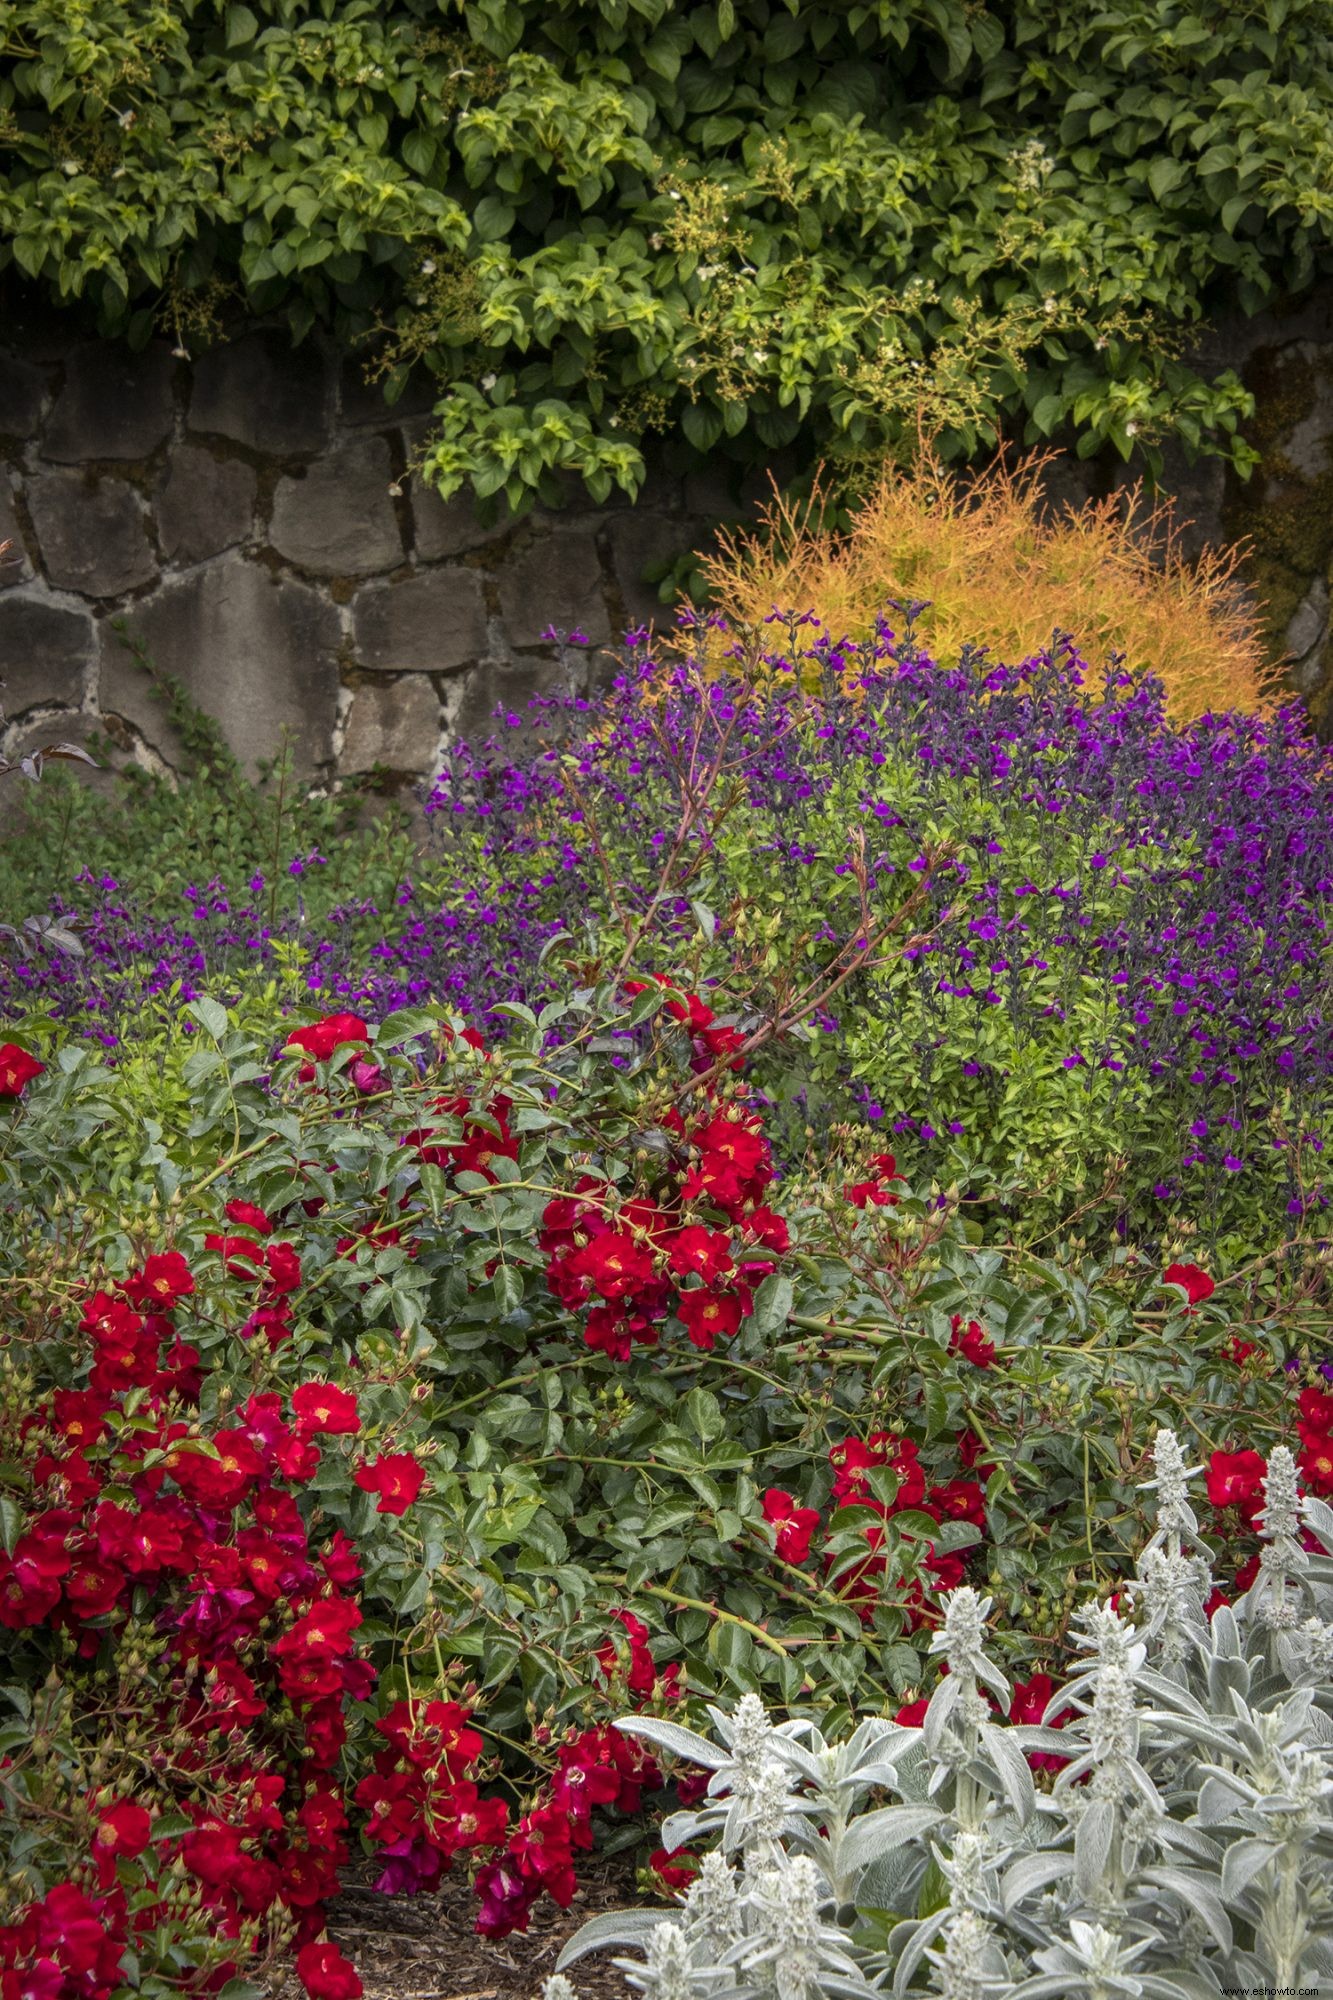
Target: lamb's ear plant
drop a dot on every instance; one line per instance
(1183, 1848)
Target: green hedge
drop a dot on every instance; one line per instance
(754, 225)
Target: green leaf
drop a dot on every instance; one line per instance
(1164, 176)
(11, 1522)
(669, 1516)
(773, 1303)
(211, 1016)
(733, 1650)
(242, 25)
(419, 150)
(492, 219)
(702, 425)
(703, 1413)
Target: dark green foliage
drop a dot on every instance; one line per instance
(749, 226)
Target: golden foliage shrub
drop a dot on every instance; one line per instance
(1003, 568)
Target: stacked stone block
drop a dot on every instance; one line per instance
(251, 521)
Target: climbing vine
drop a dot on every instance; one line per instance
(747, 224)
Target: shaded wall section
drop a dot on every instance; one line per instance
(252, 520)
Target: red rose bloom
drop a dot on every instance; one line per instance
(81, 1415)
(319, 1406)
(17, 1068)
(26, 1595)
(124, 1828)
(959, 1500)
(971, 1342)
(237, 1253)
(1236, 1479)
(397, 1478)
(162, 1281)
(705, 1315)
(613, 1264)
(1196, 1284)
(246, 1216)
(323, 1633)
(763, 1226)
(217, 1482)
(326, 1974)
(284, 1268)
(794, 1524)
(321, 1038)
(675, 1867)
(1316, 1465)
(701, 1253)
(1316, 1408)
(92, 1587)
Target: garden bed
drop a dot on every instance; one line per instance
(425, 1947)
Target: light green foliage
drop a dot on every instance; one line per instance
(754, 225)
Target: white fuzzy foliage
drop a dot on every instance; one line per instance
(1185, 1848)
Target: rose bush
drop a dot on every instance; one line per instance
(383, 1409)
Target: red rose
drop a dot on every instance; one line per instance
(17, 1068)
(326, 1974)
(765, 1227)
(397, 1478)
(1196, 1284)
(92, 1587)
(319, 1406)
(959, 1500)
(701, 1253)
(73, 1930)
(675, 1867)
(862, 1194)
(124, 1828)
(236, 1253)
(321, 1038)
(26, 1595)
(1027, 1705)
(613, 1264)
(875, 1191)
(162, 1281)
(1316, 1408)
(794, 1524)
(217, 1482)
(971, 1342)
(81, 1415)
(284, 1268)
(212, 1852)
(705, 1315)
(246, 1216)
(1236, 1479)
(339, 1561)
(1316, 1465)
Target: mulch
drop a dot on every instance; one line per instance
(424, 1947)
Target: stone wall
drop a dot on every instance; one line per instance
(251, 519)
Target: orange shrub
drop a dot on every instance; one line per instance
(1003, 567)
